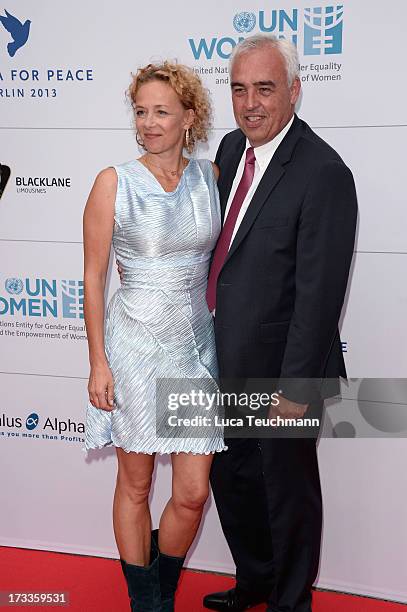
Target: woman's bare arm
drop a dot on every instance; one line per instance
(98, 220)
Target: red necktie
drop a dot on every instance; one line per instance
(222, 246)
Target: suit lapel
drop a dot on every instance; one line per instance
(271, 177)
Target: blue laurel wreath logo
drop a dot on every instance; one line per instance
(244, 22)
(14, 286)
(32, 421)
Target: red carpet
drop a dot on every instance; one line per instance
(97, 584)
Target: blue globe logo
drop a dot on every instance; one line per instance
(32, 421)
(14, 285)
(244, 22)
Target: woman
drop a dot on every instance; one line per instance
(162, 213)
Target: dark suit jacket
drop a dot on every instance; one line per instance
(282, 287)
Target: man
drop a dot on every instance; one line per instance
(277, 282)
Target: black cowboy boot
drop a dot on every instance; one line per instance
(143, 583)
(169, 571)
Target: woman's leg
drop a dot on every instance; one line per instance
(180, 519)
(132, 527)
(131, 513)
(182, 514)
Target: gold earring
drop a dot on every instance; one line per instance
(187, 138)
(139, 141)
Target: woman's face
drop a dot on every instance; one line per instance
(161, 119)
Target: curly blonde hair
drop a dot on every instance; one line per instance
(190, 90)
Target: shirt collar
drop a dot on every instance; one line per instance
(265, 152)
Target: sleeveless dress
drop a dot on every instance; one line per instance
(157, 324)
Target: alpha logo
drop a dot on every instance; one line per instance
(32, 421)
(4, 177)
(19, 32)
(51, 427)
(244, 22)
(323, 30)
(39, 297)
(64, 426)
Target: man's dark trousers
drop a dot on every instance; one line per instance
(268, 496)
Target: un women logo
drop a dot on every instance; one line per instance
(14, 286)
(244, 22)
(323, 30)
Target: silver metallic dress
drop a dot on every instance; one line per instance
(157, 323)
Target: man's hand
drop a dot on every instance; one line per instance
(120, 270)
(287, 409)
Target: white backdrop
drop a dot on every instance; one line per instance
(63, 116)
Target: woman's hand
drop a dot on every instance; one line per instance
(100, 387)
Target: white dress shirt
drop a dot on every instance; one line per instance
(263, 154)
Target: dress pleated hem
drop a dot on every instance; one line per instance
(171, 450)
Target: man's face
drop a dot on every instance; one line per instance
(263, 103)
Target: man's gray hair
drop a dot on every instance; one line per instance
(259, 41)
